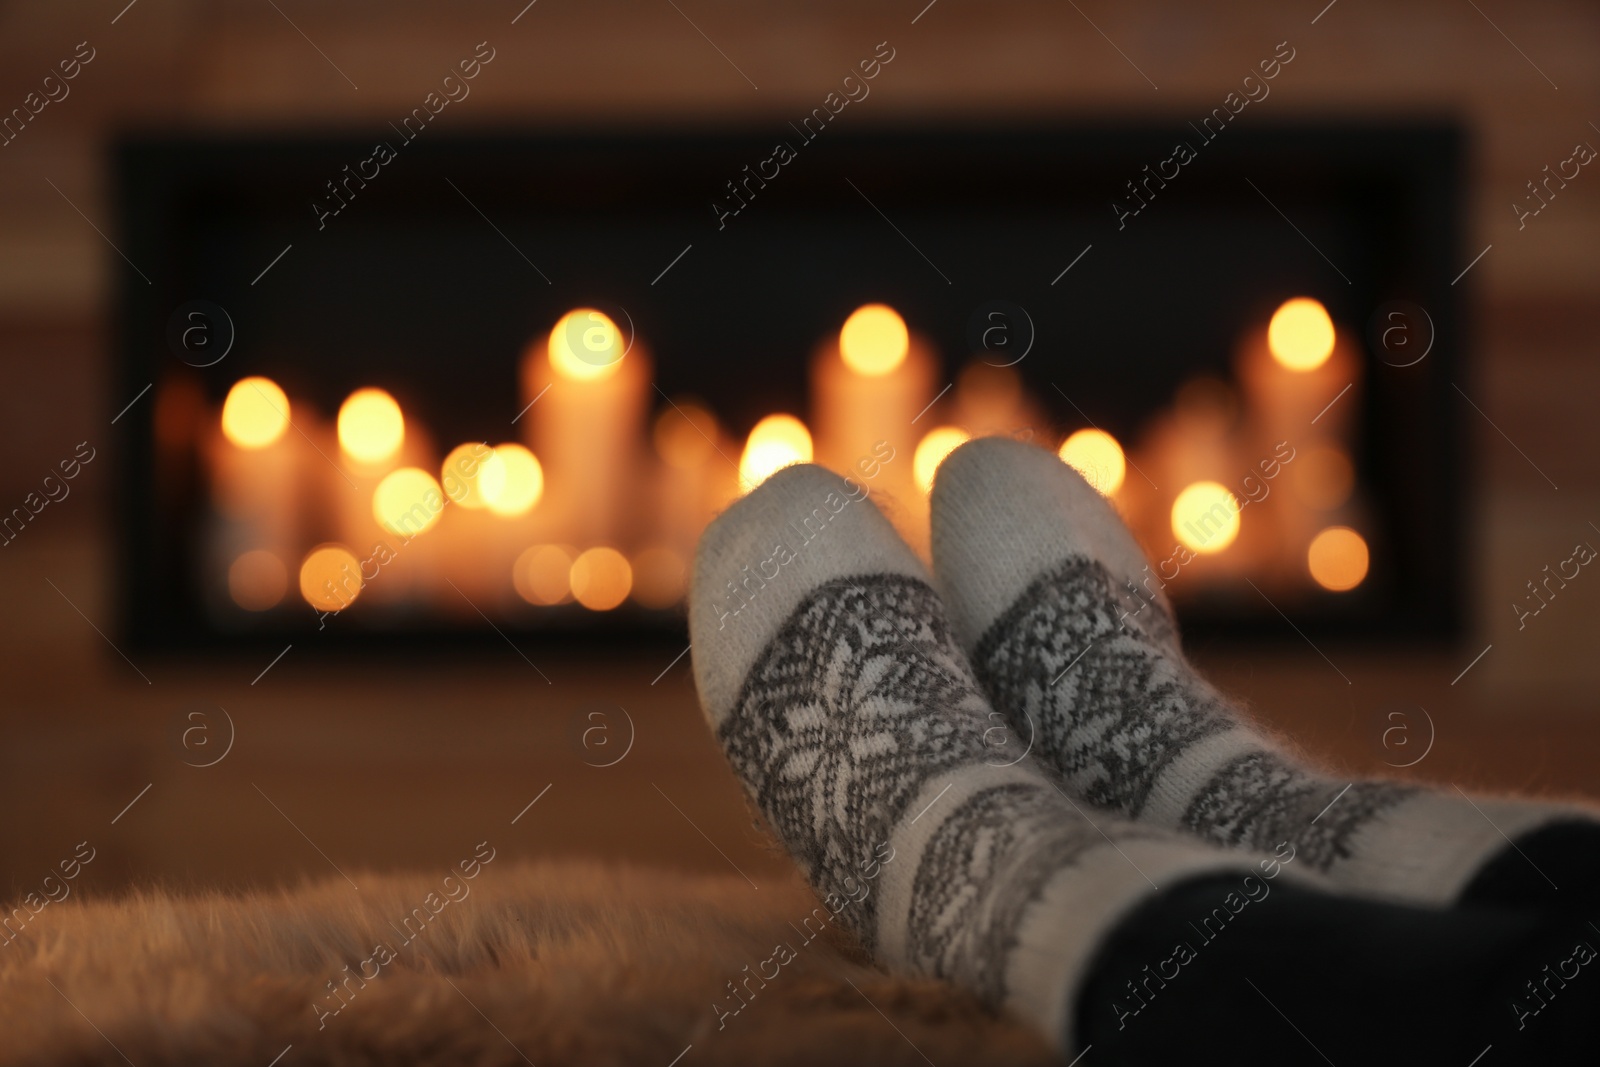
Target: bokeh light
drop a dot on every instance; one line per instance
(931, 450)
(471, 474)
(257, 580)
(1300, 334)
(1097, 456)
(407, 501)
(255, 413)
(777, 441)
(330, 577)
(542, 574)
(601, 578)
(522, 483)
(659, 578)
(585, 345)
(1323, 478)
(685, 435)
(371, 428)
(1338, 559)
(1205, 517)
(873, 340)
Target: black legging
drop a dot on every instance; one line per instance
(1510, 974)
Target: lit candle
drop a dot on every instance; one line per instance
(255, 465)
(989, 400)
(696, 475)
(1301, 379)
(385, 513)
(868, 386)
(776, 442)
(590, 391)
(1295, 371)
(1338, 559)
(1199, 455)
(493, 517)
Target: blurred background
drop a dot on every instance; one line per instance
(247, 760)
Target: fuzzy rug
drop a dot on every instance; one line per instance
(548, 964)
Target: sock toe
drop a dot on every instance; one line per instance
(802, 527)
(999, 499)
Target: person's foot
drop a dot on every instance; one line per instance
(1071, 637)
(831, 677)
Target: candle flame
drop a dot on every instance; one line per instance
(330, 577)
(1338, 559)
(585, 345)
(931, 450)
(255, 413)
(1097, 456)
(874, 340)
(521, 485)
(257, 580)
(541, 574)
(1300, 334)
(601, 578)
(407, 501)
(685, 435)
(777, 441)
(1205, 517)
(371, 428)
(471, 474)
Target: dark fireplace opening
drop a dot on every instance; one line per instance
(503, 381)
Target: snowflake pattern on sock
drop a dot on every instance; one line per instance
(1110, 712)
(1259, 799)
(860, 698)
(1116, 704)
(1011, 839)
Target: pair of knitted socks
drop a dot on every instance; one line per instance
(1027, 760)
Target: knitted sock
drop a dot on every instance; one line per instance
(832, 679)
(1071, 636)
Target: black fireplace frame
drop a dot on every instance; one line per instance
(1362, 214)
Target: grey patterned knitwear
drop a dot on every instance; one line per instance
(832, 678)
(1052, 597)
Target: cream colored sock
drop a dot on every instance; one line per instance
(1044, 586)
(830, 675)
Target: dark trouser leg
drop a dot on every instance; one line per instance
(1300, 976)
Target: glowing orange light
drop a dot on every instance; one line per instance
(874, 340)
(407, 501)
(330, 578)
(777, 441)
(601, 578)
(585, 345)
(1096, 455)
(1205, 517)
(685, 435)
(522, 484)
(257, 580)
(931, 450)
(1300, 334)
(471, 474)
(542, 573)
(1325, 478)
(255, 413)
(1338, 558)
(371, 428)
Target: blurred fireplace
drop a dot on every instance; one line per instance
(341, 356)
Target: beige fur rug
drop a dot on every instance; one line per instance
(550, 964)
